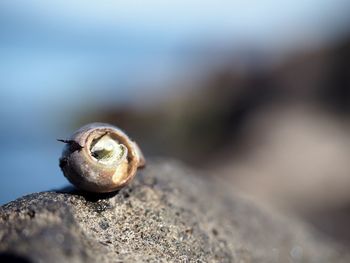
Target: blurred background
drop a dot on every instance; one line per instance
(254, 92)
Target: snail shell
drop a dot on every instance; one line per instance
(100, 158)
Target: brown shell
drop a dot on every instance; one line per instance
(82, 170)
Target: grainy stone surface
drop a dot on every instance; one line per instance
(167, 214)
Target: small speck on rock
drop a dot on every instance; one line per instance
(104, 224)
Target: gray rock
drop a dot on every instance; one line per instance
(167, 214)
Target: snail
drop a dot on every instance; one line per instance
(100, 158)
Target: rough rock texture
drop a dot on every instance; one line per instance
(168, 214)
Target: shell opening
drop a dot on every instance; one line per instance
(108, 151)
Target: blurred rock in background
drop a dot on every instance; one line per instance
(279, 134)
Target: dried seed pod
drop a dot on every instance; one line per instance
(100, 158)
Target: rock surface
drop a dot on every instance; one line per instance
(167, 214)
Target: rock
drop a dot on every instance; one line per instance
(167, 214)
